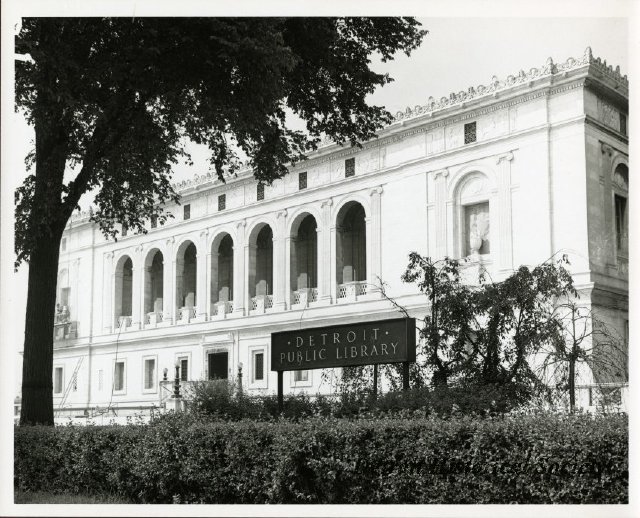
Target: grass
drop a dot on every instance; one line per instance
(43, 497)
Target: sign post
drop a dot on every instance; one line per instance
(363, 343)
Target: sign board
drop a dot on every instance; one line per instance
(365, 343)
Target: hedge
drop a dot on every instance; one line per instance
(190, 459)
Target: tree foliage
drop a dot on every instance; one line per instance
(484, 333)
(117, 98)
(113, 101)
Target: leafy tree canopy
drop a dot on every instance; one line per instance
(118, 97)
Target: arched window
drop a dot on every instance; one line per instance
(304, 260)
(186, 270)
(153, 286)
(621, 209)
(222, 274)
(473, 217)
(351, 250)
(124, 292)
(261, 267)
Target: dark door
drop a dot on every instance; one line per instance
(218, 366)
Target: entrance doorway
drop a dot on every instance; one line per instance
(218, 365)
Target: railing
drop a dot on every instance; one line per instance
(153, 317)
(187, 313)
(304, 296)
(350, 290)
(260, 303)
(124, 321)
(65, 330)
(221, 308)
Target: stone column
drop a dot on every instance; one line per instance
(240, 255)
(210, 282)
(168, 283)
(107, 293)
(136, 288)
(440, 180)
(288, 270)
(280, 261)
(326, 254)
(505, 243)
(374, 238)
(201, 278)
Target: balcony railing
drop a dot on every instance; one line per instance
(153, 318)
(352, 290)
(222, 308)
(65, 330)
(304, 296)
(261, 303)
(186, 313)
(124, 321)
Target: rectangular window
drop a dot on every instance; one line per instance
(222, 202)
(260, 192)
(149, 373)
(57, 380)
(118, 376)
(187, 211)
(65, 296)
(621, 217)
(477, 235)
(183, 364)
(300, 376)
(154, 221)
(469, 132)
(124, 230)
(100, 380)
(302, 181)
(623, 123)
(258, 366)
(349, 167)
(63, 244)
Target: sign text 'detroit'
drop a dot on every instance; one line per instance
(383, 341)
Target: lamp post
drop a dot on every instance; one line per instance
(176, 383)
(240, 378)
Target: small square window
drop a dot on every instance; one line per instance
(258, 366)
(300, 376)
(302, 181)
(118, 376)
(154, 221)
(187, 211)
(63, 244)
(623, 123)
(349, 167)
(222, 202)
(470, 132)
(260, 192)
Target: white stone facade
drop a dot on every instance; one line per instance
(510, 173)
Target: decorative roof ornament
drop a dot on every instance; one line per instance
(432, 105)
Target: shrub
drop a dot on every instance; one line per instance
(193, 458)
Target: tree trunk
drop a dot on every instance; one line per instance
(37, 367)
(572, 379)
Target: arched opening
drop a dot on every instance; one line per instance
(186, 271)
(153, 286)
(261, 267)
(351, 250)
(304, 260)
(222, 274)
(124, 292)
